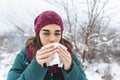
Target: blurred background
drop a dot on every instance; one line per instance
(93, 26)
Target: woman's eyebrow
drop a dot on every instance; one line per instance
(46, 30)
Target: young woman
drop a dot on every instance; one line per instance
(30, 63)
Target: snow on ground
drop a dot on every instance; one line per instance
(94, 71)
(6, 63)
(115, 71)
(97, 71)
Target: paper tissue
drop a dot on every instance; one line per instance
(56, 60)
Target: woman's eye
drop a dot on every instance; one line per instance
(57, 34)
(46, 33)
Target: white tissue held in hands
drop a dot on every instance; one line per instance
(56, 59)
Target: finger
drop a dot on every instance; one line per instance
(62, 47)
(46, 55)
(40, 52)
(64, 58)
(67, 60)
(64, 53)
(64, 50)
(46, 59)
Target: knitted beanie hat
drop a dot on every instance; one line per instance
(45, 18)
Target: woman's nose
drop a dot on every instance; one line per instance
(52, 39)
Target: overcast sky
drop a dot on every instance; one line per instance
(113, 9)
(6, 6)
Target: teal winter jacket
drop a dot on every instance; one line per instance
(22, 69)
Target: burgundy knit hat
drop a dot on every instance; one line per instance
(45, 18)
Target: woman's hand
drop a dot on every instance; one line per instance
(65, 57)
(45, 54)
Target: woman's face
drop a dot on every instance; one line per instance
(50, 33)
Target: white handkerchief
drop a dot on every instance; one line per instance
(54, 61)
(57, 59)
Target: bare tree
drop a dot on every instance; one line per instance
(95, 19)
(83, 34)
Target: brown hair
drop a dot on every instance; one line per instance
(35, 41)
